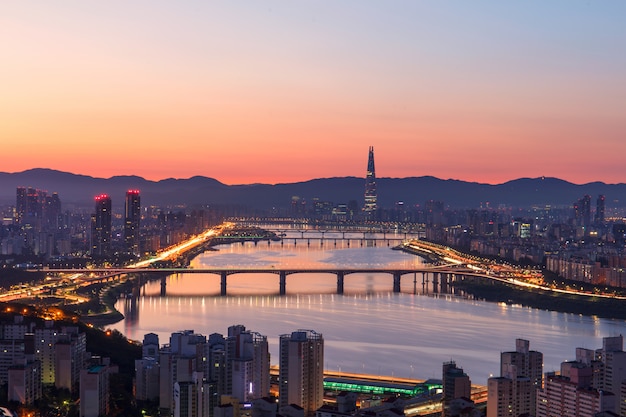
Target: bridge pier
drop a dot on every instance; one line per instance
(282, 282)
(396, 281)
(435, 282)
(223, 276)
(163, 286)
(414, 282)
(444, 283)
(424, 283)
(340, 276)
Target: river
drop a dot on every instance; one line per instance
(369, 328)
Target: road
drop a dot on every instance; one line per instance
(498, 271)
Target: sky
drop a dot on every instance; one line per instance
(285, 91)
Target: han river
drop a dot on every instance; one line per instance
(368, 329)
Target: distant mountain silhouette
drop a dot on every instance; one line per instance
(79, 190)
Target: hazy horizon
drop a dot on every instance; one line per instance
(306, 180)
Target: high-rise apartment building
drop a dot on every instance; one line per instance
(571, 396)
(301, 370)
(613, 357)
(178, 362)
(94, 391)
(132, 216)
(599, 216)
(521, 374)
(249, 364)
(29, 206)
(456, 384)
(24, 382)
(101, 226)
(52, 209)
(20, 205)
(194, 398)
(370, 206)
(582, 211)
(591, 384)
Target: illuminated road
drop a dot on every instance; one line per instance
(83, 278)
(175, 251)
(521, 277)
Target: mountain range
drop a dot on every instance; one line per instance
(79, 190)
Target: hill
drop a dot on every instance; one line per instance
(79, 190)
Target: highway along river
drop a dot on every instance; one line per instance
(368, 329)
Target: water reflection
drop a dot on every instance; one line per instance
(369, 328)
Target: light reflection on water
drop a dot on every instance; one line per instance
(369, 329)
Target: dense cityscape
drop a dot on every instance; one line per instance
(45, 356)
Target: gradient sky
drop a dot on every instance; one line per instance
(273, 92)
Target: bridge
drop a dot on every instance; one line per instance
(364, 238)
(442, 274)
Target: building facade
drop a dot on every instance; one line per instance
(301, 370)
(132, 217)
(101, 226)
(456, 384)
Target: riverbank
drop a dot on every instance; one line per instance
(545, 300)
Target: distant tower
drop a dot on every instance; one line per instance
(370, 186)
(101, 226)
(301, 370)
(132, 215)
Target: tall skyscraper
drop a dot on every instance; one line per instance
(101, 226)
(20, 205)
(582, 211)
(599, 216)
(132, 216)
(29, 207)
(52, 209)
(301, 370)
(369, 208)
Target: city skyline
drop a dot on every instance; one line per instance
(275, 93)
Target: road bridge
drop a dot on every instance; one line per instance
(442, 275)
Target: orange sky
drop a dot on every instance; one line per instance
(283, 92)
